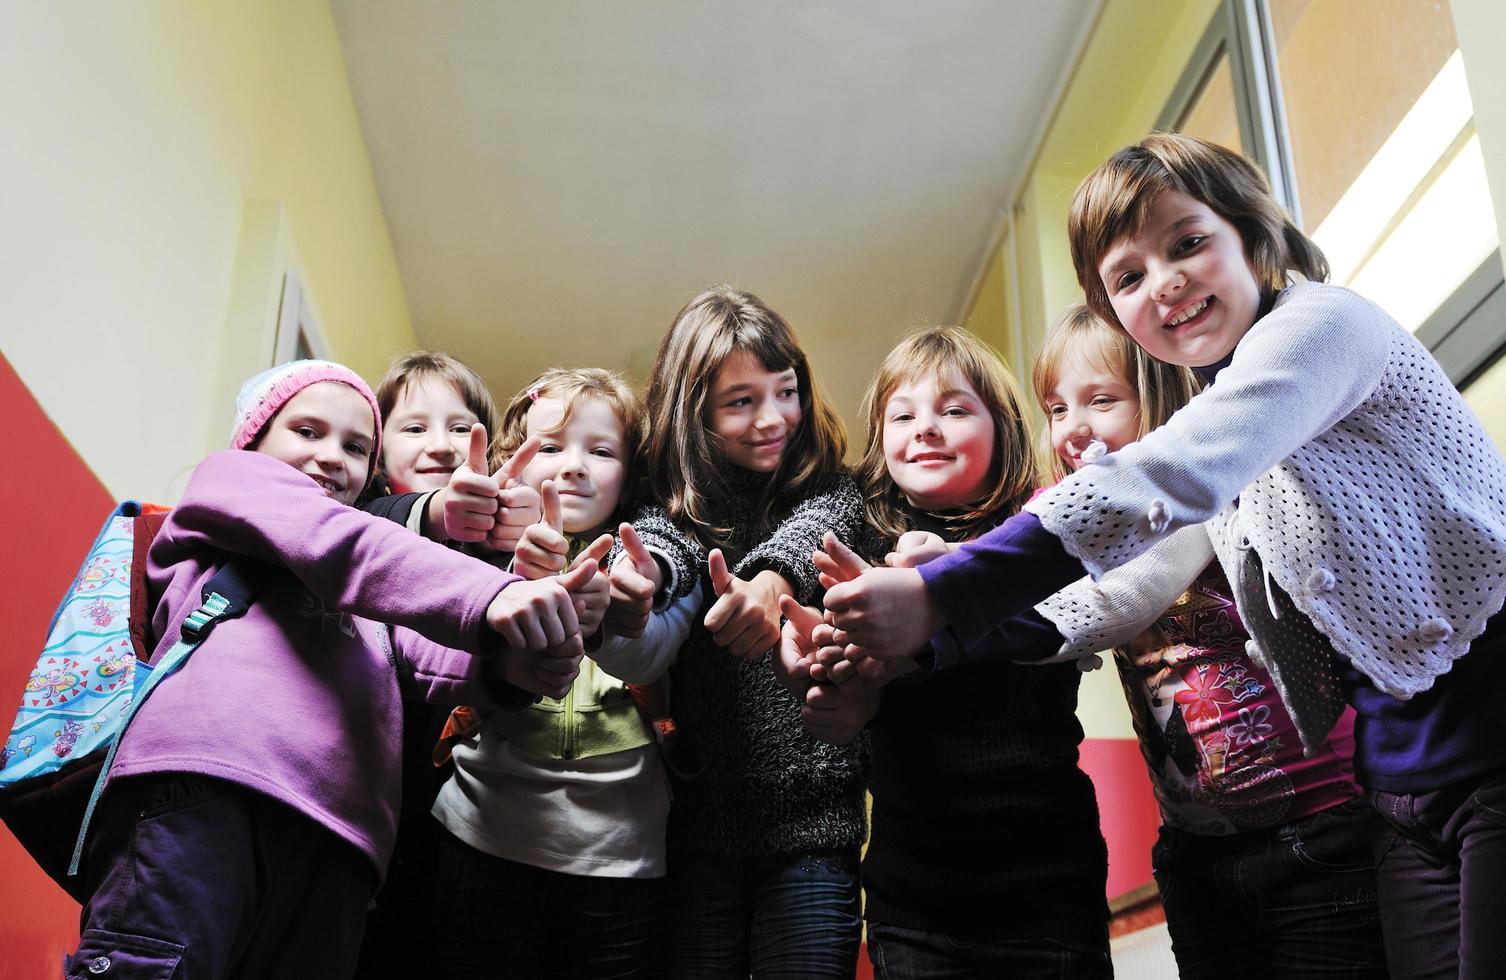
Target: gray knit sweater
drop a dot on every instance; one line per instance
(764, 785)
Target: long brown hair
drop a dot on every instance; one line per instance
(1114, 201)
(678, 457)
(1162, 388)
(945, 353)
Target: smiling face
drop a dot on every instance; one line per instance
(325, 432)
(1090, 402)
(426, 436)
(584, 458)
(753, 412)
(1182, 286)
(938, 442)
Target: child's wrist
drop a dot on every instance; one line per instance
(434, 519)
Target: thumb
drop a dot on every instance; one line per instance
(846, 560)
(511, 469)
(721, 578)
(805, 619)
(579, 576)
(549, 495)
(633, 547)
(595, 552)
(475, 457)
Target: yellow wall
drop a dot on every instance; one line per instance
(178, 156)
(1132, 62)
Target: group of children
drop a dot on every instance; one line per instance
(663, 650)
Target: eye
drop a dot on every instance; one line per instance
(548, 448)
(955, 412)
(414, 428)
(1126, 280)
(1102, 401)
(604, 452)
(356, 449)
(460, 429)
(791, 392)
(1188, 243)
(1057, 411)
(306, 431)
(901, 417)
(742, 402)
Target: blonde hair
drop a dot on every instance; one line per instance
(571, 386)
(1115, 200)
(419, 366)
(679, 454)
(1162, 388)
(942, 353)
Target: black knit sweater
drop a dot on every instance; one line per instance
(765, 786)
(983, 826)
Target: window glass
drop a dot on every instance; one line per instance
(1213, 114)
(1389, 178)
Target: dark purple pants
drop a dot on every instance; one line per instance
(1442, 878)
(199, 878)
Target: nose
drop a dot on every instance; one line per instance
(1166, 280)
(1077, 425)
(439, 444)
(329, 456)
(768, 416)
(572, 463)
(928, 428)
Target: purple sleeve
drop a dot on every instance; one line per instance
(992, 579)
(250, 504)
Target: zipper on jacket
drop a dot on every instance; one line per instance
(568, 726)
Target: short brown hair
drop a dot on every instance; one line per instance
(418, 366)
(570, 385)
(940, 353)
(678, 454)
(1114, 201)
(1162, 388)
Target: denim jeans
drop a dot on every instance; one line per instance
(793, 916)
(898, 953)
(199, 877)
(493, 918)
(1298, 900)
(1442, 875)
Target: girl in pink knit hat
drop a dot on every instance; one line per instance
(252, 803)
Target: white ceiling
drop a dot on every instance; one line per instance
(560, 176)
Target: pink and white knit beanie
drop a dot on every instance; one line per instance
(264, 395)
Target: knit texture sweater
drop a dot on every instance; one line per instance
(764, 786)
(983, 825)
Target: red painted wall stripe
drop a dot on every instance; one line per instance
(51, 506)
(1127, 809)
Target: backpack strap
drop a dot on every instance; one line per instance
(228, 594)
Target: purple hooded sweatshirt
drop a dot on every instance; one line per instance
(300, 699)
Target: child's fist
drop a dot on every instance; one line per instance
(915, 548)
(635, 580)
(744, 620)
(550, 672)
(588, 585)
(534, 615)
(542, 549)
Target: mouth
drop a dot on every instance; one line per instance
(329, 486)
(578, 494)
(765, 445)
(930, 458)
(436, 470)
(1189, 313)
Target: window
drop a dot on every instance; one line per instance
(298, 336)
(1360, 112)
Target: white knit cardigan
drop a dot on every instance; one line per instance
(1334, 446)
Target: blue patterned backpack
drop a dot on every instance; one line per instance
(94, 672)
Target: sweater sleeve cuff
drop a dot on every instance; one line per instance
(988, 580)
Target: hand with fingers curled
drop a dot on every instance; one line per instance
(796, 653)
(469, 505)
(635, 579)
(744, 620)
(915, 548)
(837, 714)
(881, 613)
(542, 548)
(593, 597)
(519, 505)
(550, 671)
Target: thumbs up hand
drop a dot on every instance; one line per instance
(744, 620)
(542, 547)
(470, 498)
(635, 579)
(520, 504)
(588, 584)
(792, 663)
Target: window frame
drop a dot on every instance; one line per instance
(1463, 333)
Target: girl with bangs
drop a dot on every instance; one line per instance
(1260, 844)
(1353, 499)
(985, 857)
(743, 459)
